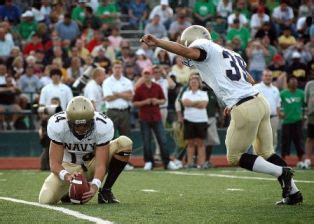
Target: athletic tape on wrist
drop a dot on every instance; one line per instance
(96, 182)
(62, 174)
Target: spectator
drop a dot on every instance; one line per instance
(147, 98)
(278, 70)
(270, 48)
(292, 105)
(29, 84)
(179, 25)
(258, 19)
(38, 15)
(6, 45)
(107, 12)
(195, 121)
(241, 32)
(8, 103)
(256, 54)
(17, 67)
(286, 39)
(305, 54)
(309, 101)
(156, 28)
(107, 48)
(90, 19)
(74, 71)
(272, 95)
(164, 11)
(283, 17)
(33, 45)
(181, 72)
(237, 15)
(45, 9)
(94, 41)
(306, 9)
(162, 57)
(10, 12)
(203, 11)
(115, 38)
(55, 89)
(224, 8)
(28, 27)
(298, 70)
(93, 90)
(267, 30)
(78, 13)
(81, 50)
(142, 60)
(67, 29)
(138, 13)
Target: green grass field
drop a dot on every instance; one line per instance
(208, 196)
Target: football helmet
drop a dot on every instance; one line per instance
(80, 116)
(193, 33)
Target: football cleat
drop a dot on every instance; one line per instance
(106, 197)
(293, 199)
(285, 180)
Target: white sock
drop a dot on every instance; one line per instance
(263, 166)
(294, 187)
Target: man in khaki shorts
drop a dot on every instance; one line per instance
(225, 72)
(81, 142)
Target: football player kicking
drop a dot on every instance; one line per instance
(225, 72)
(81, 142)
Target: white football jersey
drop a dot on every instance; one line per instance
(74, 149)
(224, 71)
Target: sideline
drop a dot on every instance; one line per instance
(66, 211)
(234, 177)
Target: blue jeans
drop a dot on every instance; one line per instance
(158, 129)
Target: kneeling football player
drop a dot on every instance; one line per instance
(81, 142)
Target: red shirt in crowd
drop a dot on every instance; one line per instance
(149, 112)
(32, 47)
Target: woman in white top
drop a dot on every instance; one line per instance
(195, 120)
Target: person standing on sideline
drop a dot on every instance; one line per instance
(272, 95)
(225, 72)
(309, 101)
(148, 97)
(93, 90)
(292, 104)
(118, 94)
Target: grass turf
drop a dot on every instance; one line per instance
(191, 198)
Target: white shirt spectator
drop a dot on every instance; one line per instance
(45, 80)
(194, 114)
(223, 10)
(93, 91)
(111, 85)
(283, 15)
(62, 91)
(243, 20)
(272, 95)
(45, 10)
(6, 46)
(164, 14)
(257, 21)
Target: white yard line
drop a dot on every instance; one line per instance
(60, 209)
(149, 190)
(2, 180)
(234, 189)
(233, 177)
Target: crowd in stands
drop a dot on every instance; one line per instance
(46, 46)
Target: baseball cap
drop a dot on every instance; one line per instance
(277, 58)
(28, 14)
(140, 52)
(296, 55)
(164, 2)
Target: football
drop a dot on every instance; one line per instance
(78, 187)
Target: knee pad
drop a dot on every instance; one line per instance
(122, 146)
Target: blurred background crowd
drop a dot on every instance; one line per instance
(52, 50)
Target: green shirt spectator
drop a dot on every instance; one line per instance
(292, 105)
(107, 11)
(241, 32)
(204, 8)
(27, 28)
(78, 13)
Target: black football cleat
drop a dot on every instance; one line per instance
(106, 197)
(285, 181)
(293, 199)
